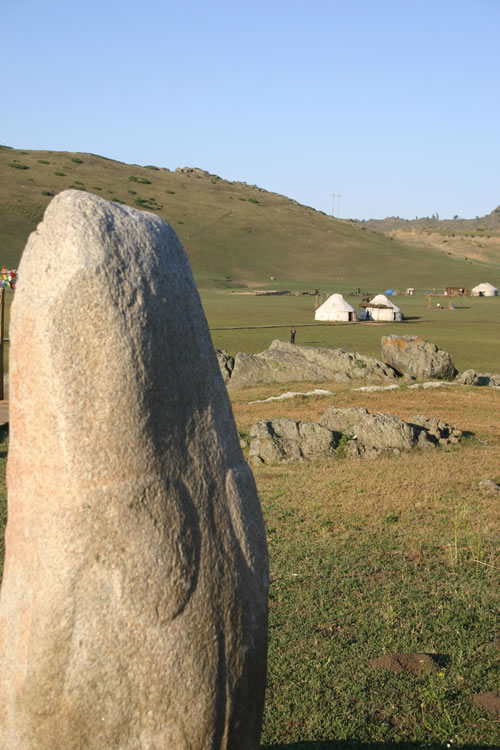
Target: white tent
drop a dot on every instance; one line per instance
(381, 308)
(484, 290)
(335, 308)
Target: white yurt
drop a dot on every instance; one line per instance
(381, 308)
(335, 308)
(484, 290)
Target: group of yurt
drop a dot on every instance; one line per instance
(380, 308)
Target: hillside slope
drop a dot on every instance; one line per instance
(232, 232)
(470, 239)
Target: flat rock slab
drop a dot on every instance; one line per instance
(284, 363)
(293, 394)
(134, 602)
(397, 663)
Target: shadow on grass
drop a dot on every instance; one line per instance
(354, 745)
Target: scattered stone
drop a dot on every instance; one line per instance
(489, 485)
(226, 364)
(134, 601)
(431, 384)
(416, 357)
(293, 394)
(468, 377)
(374, 388)
(415, 663)
(347, 433)
(471, 377)
(489, 702)
(284, 440)
(443, 433)
(283, 362)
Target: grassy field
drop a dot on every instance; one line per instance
(470, 333)
(368, 558)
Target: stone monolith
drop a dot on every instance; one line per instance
(133, 610)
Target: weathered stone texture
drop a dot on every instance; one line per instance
(226, 364)
(283, 440)
(134, 603)
(381, 431)
(416, 357)
(283, 363)
(348, 433)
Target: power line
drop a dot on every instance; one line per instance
(336, 196)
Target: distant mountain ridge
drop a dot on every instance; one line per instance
(489, 221)
(471, 239)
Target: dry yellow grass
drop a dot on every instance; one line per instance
(475, 409)
(424, 490)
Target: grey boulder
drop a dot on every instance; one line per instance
(283, 440)
(384, 432)
(417, 358)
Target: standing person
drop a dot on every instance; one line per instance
(292, 336)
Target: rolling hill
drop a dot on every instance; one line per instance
(233, 233)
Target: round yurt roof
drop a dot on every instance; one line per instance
(335, 303)
(486, 287)
(381, 301)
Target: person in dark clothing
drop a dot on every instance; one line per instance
(292, 336)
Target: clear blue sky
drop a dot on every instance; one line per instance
(394, 104)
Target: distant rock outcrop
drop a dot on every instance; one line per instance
(417, 358)
(283, 362)
(471, 377)
(348, 433)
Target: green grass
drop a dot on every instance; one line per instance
(346, 589)
(468, 333)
